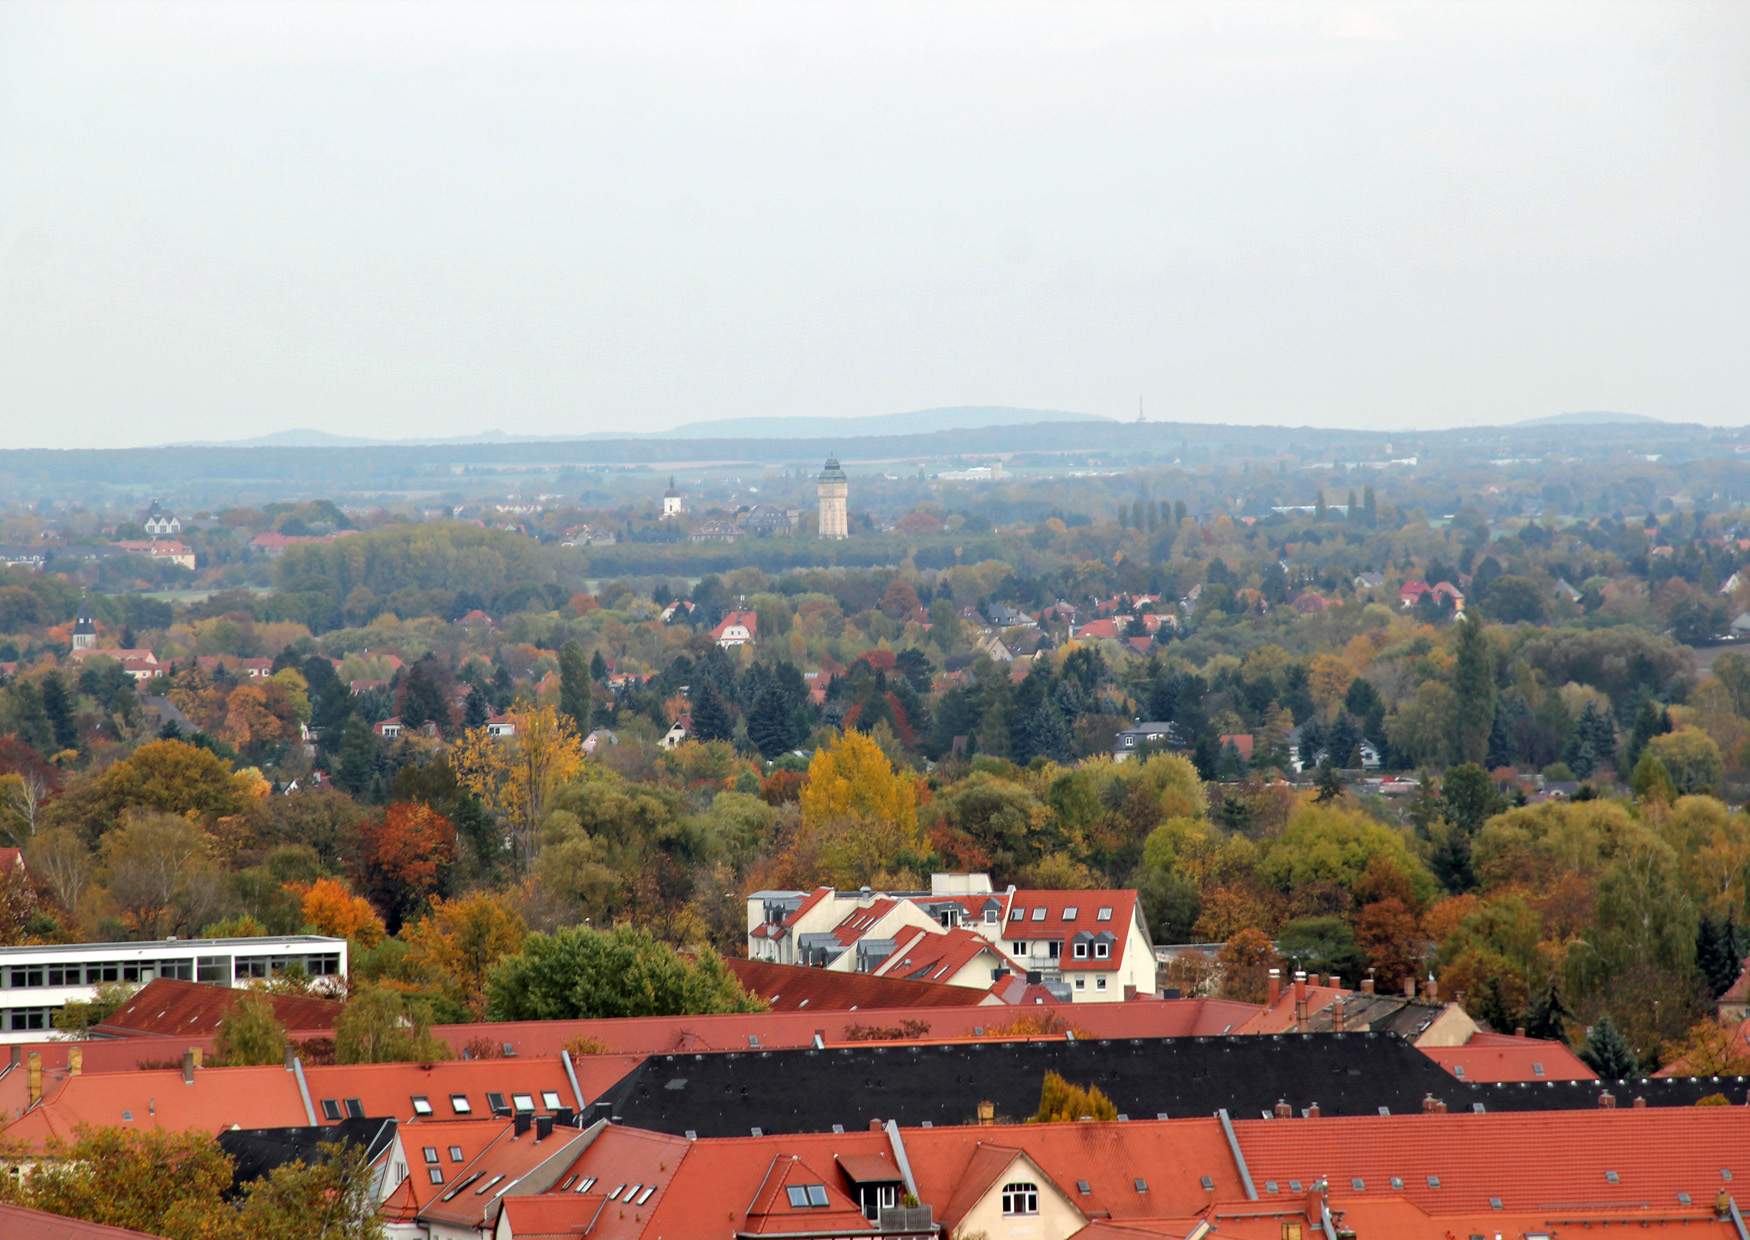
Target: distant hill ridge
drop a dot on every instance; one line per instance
(1589, 417)
(913, 422)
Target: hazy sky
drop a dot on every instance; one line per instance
(223, 219)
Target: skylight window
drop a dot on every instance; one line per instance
(798, 1197)
(460, 1105)
(436, 1174)
(1016, 914)
(331, 1109)
(455, 1153)
(1142, 1184)
(1084, 1188)
(1039, 914)
(1610, 1177)
(1207, 1182)
(550, 1099)
(633, 1189)
(1433, 1181)
(496, 1104)
(1069, 912)
(355, 1108)
(587, 1183)
(1358, 1184)
(431, 1154)
(645, 1195)
(1104, 914)
(1536, 1068)
(481, 1191)
(421, 1104)
(615, 1195)
(523, 1102)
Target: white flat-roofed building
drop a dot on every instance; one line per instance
(39, 980)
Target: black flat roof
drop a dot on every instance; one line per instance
(730, 1094)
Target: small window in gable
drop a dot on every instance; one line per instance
(1019, 1199)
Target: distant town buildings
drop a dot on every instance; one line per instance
(671, 501)
(834, 490)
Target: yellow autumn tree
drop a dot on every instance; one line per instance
(459, 940)
(329, 908)
(517, 776)
(859, 815)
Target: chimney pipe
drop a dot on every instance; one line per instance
(1410, 986)
(1275, 985)
(1312, 1112)
(1427, 1104)
(1519, 1031)
(75, 1061)
(1282, 1109)
(874, 1125)
(188, 1067)
(543, 1127)
(35, 1062)
(1336, 982)
(521, 1122)
(1337, 1015)
(1367, 985)
(1607, 1100)
(987, 1112)
(1299, 998)
(291, 1055)
(1433, 990)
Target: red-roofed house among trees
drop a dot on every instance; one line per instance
(1083, 945)
(739, 628)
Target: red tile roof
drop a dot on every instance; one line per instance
(935, 957)
(1514, 1059)
(1529, 1160)
(1171, 1158)
(468, 1137)
(824, 1205)
(793, 987)
(219, 1097)
(1067, 913)
(522, 1161)
(619, 1158)
(860, 921)
(167, 1006)
(39, 1225)
(388, 1089)
(793, 1028)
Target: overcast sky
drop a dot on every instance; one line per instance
(218, 220)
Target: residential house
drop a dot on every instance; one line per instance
(739, 628)
(168, 552)
(159, 523)
(389, 729)
(1146, 737)
(139, 663)
(678, 731)
(500, 727)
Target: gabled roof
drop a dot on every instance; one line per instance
(793, 1197)
(167, 1006)
(956, 1166)
(446, 1138)
(859, 921)
(257, 1152)
(509, 1161)
(794, 987)
(923, 956)
(160, 1100)
(1511, 1059)
(1526, 1160)
(388, 1089)
(41, 1225)
(1068, 913)
(712, 1187)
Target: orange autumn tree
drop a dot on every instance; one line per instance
(329, 908)
(404, 855)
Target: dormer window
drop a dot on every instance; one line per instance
(806, 1196)
(1102, 950)
(1081, 951)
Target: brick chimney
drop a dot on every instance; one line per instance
(874, 1125)
(34, 1060)
(1367, 985)
(1410, 986)
(75, 1061)
(987, 1112)
(1519, 1031)
(1337, 1015)
(1312, 1112)
(1299, 998)
(1607, 1100)
(1432, 990)
(1275, 985)
(1282, 1110)
(1640, 1102)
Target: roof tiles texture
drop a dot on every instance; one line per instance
(172, 1007)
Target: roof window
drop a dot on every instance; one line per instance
(455, 1153)
(331, 1109)
(421, 1104)
(1358, 1184)
(1433, 1181)
(355, 1109)
(645, 1195)
(1105, 914)
(460, 1105)
(1069, 912)
(615, 1195)
(431, 1154)
(1039, 913)
(523, 1102)
(496, 1104)
(436, 1174)
(1610, 1177)
(585, 1184)
(1083, 1187)
(484, 1187)
(1017, 913)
